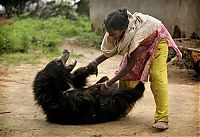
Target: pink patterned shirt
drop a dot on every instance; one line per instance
(147, 48)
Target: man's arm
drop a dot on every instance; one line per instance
(100, 59)
(130, 63)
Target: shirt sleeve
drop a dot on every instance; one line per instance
(108, 46)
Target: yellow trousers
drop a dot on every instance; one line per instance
(158, 81)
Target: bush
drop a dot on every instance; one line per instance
(6, 44)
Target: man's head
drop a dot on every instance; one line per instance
(116, 22)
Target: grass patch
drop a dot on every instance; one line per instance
(90, 38)
(97, 135)
(33, 57)
(2, 126)
(17, 58)
(27, 39)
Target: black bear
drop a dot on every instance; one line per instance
(65, 97)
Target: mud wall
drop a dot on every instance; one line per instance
(182, 13)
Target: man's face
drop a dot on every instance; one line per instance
(115, 33)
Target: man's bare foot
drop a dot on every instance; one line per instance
(162, 125)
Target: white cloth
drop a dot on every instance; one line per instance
(140, 27)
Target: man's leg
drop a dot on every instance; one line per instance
(128, 84)
(159, 85)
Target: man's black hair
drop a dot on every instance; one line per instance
(117, 20)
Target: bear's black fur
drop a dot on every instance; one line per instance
(65, 97)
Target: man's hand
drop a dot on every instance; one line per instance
(104, 86)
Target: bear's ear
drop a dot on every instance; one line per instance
(71, 66)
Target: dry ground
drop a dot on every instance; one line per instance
(26, 119)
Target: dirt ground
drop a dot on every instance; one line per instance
(21, 117)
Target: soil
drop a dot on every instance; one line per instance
(19, 116)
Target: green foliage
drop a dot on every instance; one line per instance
(2, 126)
(90, 38)
(6, 44)
(33, 35)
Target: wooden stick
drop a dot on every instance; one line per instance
(190, 49)
(5, 112)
